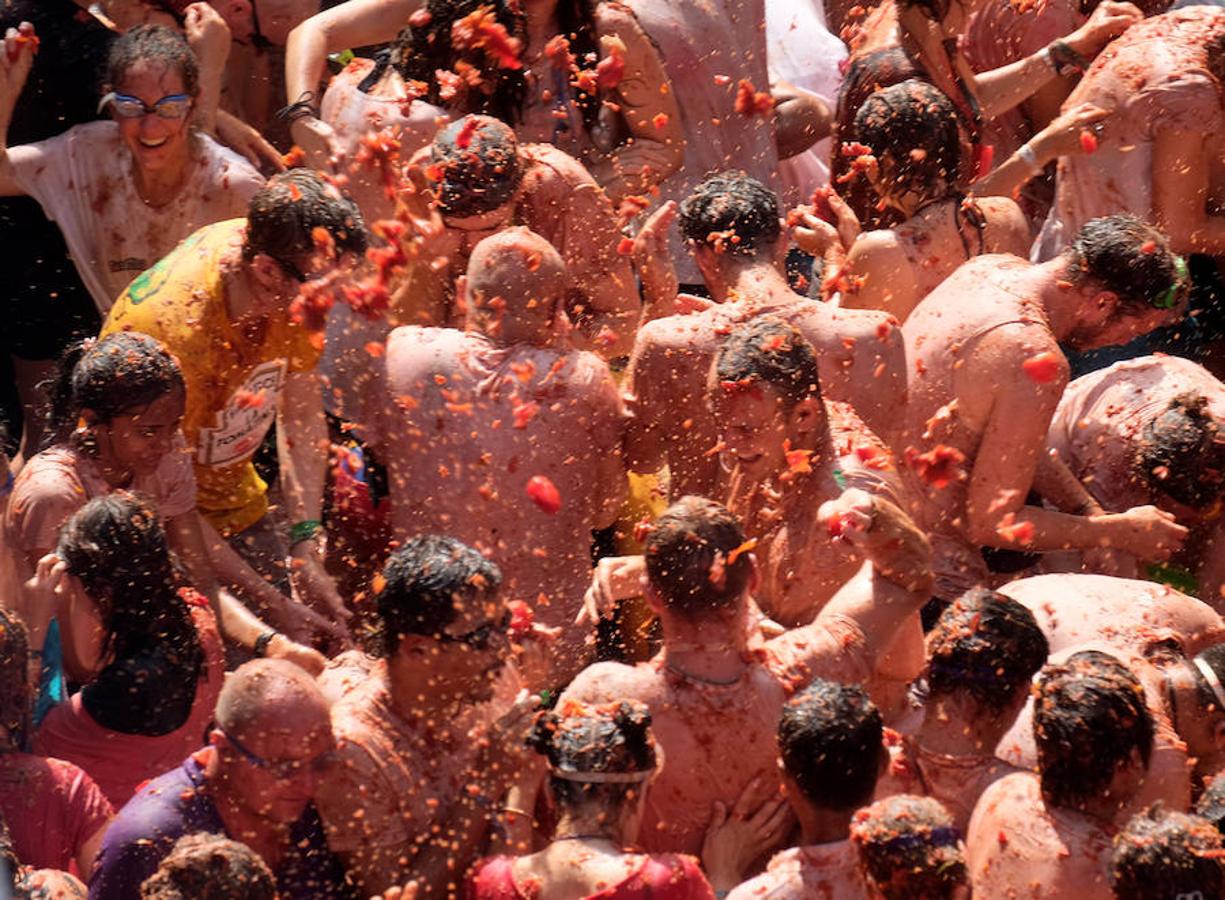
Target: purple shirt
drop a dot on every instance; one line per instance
(176, 804)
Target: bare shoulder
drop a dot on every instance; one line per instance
(1008, 230)
(617, 18)
(555, 167)
(608, 681)
(880, 249)
(1015, 794)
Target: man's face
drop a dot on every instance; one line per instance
(753, 422)
(467, 659)
(1103, 322)
(287, 755)
(276, 17)
(154, 142)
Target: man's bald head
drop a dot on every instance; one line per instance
(269, 694)
(516, 279)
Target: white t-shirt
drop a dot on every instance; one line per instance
(83, 180)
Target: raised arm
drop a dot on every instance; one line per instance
(801, 118)
(15, 62)
(357, 23)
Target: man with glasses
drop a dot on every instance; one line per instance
(425, 758)
(986, 371)
(221, 304)
(254, 783)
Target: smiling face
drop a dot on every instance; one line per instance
(138, 441)
(753, 423)
(156, 144)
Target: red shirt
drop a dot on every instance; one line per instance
(51, 808)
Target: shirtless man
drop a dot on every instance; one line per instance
(1159, 149)
(1146, 431)
(1166, 639)
(830, 752)
(731, 224)
(986, 374)
(706, 687)
(1049, 835)
(422, 761)
(486, 182)
(982, 654)
(504, 436)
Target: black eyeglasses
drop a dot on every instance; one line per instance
(284, 769)
(480, 638)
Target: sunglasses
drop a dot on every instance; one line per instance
(172, 106)
(285, 769)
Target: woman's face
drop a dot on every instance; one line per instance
(156, 143)
(138, 441)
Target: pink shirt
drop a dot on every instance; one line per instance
(662, 877)
(1102, 416)
(1153, 78)
(52, 808)
(122, 763)
(821, 872)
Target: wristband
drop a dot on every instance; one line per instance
(1045, 55)
(260, 647)
(303, 108)
(1026, 154)
(1064, 60)
(304, 531)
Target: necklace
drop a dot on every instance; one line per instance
(584, 837)
(687, 676)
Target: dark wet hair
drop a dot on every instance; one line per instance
(421, 581)
(157, 43)
(733, 211)
(612, 739)
(1211, 804)
(913, 131)
(422, 50)
(1214, 52)
(289, 207)
(1181, 452)
(1089, 715)
(1129, 257)
(687, 552)
(1165, 853)
(15, 695)
(985, 645)
(117, 375)
(768, 350)
(829, 738)
(210, 867)
(481, 176)
(910, 848)
(116, 547)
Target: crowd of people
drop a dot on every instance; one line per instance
(569, 449)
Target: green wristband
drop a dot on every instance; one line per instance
(304, 531)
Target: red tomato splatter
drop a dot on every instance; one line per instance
(557, 51)
(938, 466)
(625, 246)
(463, 140)
(524, 413)
(660, 121)
(245, 399)
(294, 158)
(1044, 367)
(544, 494)
(521, 619)
(1088, 141)
(752, 102)
(480, 29)
(611, 69)
(1015, 532)
(376, 348)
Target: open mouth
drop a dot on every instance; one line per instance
(151, 144)
(748, 460)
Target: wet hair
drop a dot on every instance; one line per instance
(1127, 256)
(1165, 853)
(481, 176)
(118, 375)
(210, 867)
(612, 739)
(985, 645)
(912, 129)
(116, 547)
(1214, 54)
(910, 848)
(1181, 452)
(768, 350)
(687, 557)
(289, 207)
(422, 50)
(15, 694)
(829, 739)
(1090, 714)
(734, 212)
(1214, 658)
(1211, 804)
(159, 44)
(420, 584)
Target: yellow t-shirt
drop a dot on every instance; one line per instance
(234, 380)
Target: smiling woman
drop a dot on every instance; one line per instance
(124, 192)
